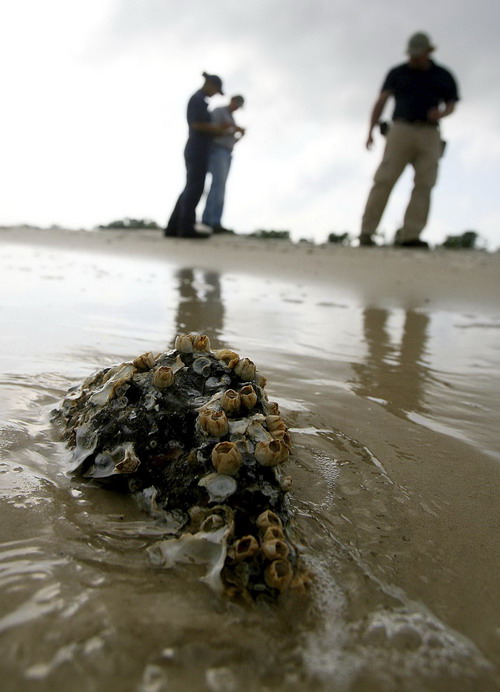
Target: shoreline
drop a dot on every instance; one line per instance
(437, 279)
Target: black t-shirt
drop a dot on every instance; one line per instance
(197, 112)
(417, 91)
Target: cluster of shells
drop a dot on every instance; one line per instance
(192, 433)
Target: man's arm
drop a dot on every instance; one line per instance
(210, 128)
(376, 113)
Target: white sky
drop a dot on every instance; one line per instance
(92, 124)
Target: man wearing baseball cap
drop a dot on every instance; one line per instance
(424, 94)
(182, 222)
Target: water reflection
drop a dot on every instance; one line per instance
(200, 306)
(394, 374)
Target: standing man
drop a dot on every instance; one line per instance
(221, 153)
(424, 93)
(201, 132)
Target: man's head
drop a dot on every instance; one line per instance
(236, 102)
(419, 48)
(419, 44)
(213, 84)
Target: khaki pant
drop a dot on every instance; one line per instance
(407, 143)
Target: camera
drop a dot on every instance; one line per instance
(383, 127)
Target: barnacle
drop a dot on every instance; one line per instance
(226, 458)
(214, 423)
(163, 377)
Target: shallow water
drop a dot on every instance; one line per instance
(81, 608)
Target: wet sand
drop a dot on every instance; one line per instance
(386, 365)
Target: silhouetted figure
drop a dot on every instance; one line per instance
(201, 131)
(219, 162)
(424, 93)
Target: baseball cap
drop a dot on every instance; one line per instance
(418, 44)
(217, 81)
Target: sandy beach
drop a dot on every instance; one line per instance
(385, 363)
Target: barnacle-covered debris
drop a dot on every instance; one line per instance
(192, 434)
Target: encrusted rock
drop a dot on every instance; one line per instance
(191, 432)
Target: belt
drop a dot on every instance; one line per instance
(425, 123)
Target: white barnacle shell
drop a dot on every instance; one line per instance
(115, 378)
(213, 423)
(257, 432)
(230, 401)
(226, 458)
(144, 362)
(216, 383)
(121, 460)
(201, 342)
(219, 486)
(203, 547)
(271, 453)
(238, 426)
(184, 343)
(248, 396)
(163, 377)
(202, 366)
(245, 369)
(130, 461)
(244, 445)
(171, 521)
(85, 445)
(278, 574)
(275, 548)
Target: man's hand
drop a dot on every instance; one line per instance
(435, 114)
(376, 113)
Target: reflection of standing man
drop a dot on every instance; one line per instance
(200, 308)
(395, 377)
(220, 161)
(424, 93)
(201, 131)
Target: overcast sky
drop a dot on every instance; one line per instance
(92, 123)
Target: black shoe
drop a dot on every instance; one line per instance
(194, 233)
(415, 243)
(220, 229)
(366, 241)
